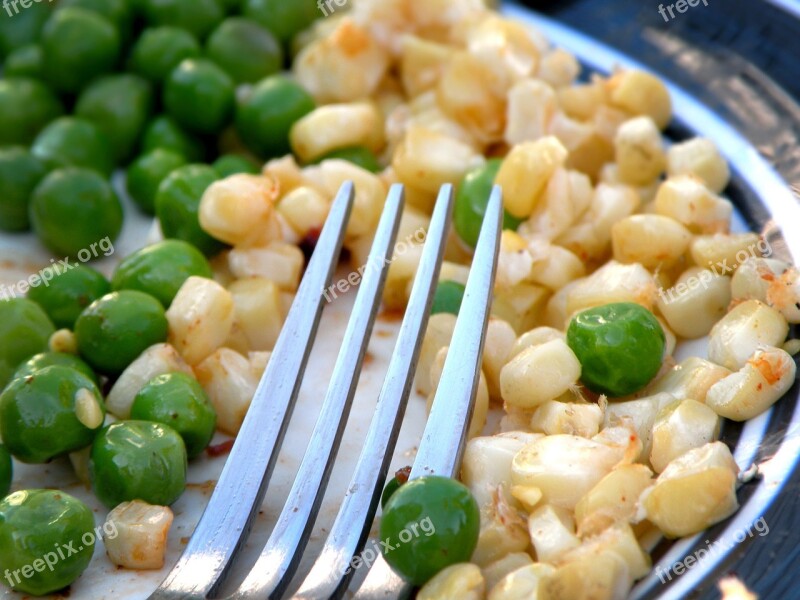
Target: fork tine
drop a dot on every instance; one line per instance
(273, 571)
(329, 575)
(443, 441)
(225, 523)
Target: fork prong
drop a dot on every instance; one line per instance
(330, 574)
(226, 521)
(443, 441)
(279, 560)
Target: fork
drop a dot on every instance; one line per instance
(225, 523)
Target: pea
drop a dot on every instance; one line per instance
(120, 106)
(266, 116)
(22, 27)
(141, 460)
(6, 471)
(25, 61)
(68, 293)
(78, 45)
(54, 359)
(448, 297)
(74, 142)
(147, 172)
(160, 49)
(231, 6)
(177, 400)
(25, 330)
(26, 106)
(199, 96)
(117, 12)
(399, 478)
(284, 19)
(471, 201)
(245, 50)
(198, 17)
(620, 347)
(20, 173)
(33, 525)
(358, 155)
(231, 164)
(431, 523)
(71, 209)
(161, 269)
(178, 203)
(163, 132)
(115, 329)
(55, 411)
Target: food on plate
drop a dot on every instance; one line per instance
(69, 292)
(138, 538)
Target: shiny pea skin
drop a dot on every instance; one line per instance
(26, 107)
(178, 400)
(160, 49)
(147, 172)
(178, 205)
(620, 347)
(115, 329)
(67, 294)
(431, 523)
(20, 173)
(52, 359)
(448, 298)
(74, 142)
(200, 96)
(138, 460)
(161, 269)
(25, 330)
(55, 411)
(198, 17)
(33, 525)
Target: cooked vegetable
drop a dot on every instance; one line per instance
(6, 471)
(448, 297)
(244, 50)
(160, 49)
(74, 142)
(51, 359)
(199, 96)
(147, 172)
(164, 132)
(26, 107)
(20, 172)
(68, 293)
(139, 539)
(24, 331)
(138, 460)
(199, 17)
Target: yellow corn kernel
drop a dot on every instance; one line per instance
(640, 93)
(422, 63)
(653, 241)
(532, 105)
(639, 152)
(687, 200)
(305, 209)
(462, 581)
(701, 158)
(337, 126)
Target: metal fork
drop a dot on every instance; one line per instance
(225, 523)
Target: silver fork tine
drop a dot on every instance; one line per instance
(278, 561)
(238, 494)
(329, 576)
(445, 434)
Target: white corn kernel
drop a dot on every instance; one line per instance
(502, 532)
(613, 282)
(583, 419)
(496, 571)
(695, 491)
(534, 337)
(524, 583)
(500, 338)
(554, 266)
(257, 305)
(532, 104)
(765, 378)
(135, 535)
(462, 581)
(692, 378)
(619, 539)
(723, 253)
(687, 200)
(639, 414)
(64, 341)
(422, 63)
(521, 306)
(552, 531)
(239, 208)
(640, 93)
(701, 158)
(230, 382)
(654, 241)
(87, 408)
(336, 126)
(305, 209)
(487, 464)
(278, 261)
(639, 152)
(437, 336)
(538, 374)
(680, 427)
(696, 302)
(601, 575)
(745, 329)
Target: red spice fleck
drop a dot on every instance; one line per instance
(220, 449)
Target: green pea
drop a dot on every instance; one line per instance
(448, 297)
(26, 61)
(78, 46)
(358, 155)
(117, 12)
(115, 329)
(54, 359)
(472, 198)
(231, 6)
(160, 49)
(620, 347)
(431, 523)
(6, 471)
(161, 269)
(147, 172)
(25, 330)
(265, 117)
(26, 106)
(199, 17)
(178, 400)
(119, 105)
(200, 96)
(245, 50)
(232, 164)
(141, 460)
(399, 479)
(68, 292)
(178, 203)
(163, 132)
(21, 26)
(55, 411)
(72, 210)
(74, 142)
(20, 173)
(284, 19)
(34, 525)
